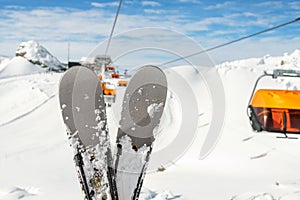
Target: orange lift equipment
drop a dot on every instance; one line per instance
(103, 64)
(275, 110)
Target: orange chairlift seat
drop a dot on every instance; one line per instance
(112, 71)
(110, 68)
(123, 83)
(275, 110)
(107, 90)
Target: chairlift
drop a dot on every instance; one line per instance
(275, 110)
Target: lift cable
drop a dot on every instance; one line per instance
(113, 28)
(234, 41)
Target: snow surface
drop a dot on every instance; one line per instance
(36, 160)
(18, 66)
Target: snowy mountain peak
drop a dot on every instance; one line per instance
(37, 54)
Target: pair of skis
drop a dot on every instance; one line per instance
(102, 173)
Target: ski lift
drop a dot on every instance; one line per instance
(275, 110)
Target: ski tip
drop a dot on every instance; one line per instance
(150, 74)
(77, 70)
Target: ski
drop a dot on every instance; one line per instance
(142, 108)
(84, 114)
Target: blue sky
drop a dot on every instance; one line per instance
(84, 24)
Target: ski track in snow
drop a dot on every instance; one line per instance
(16, 193)
(259, 156)
(2, 69)
(42, 88)
(27, 113)
(264, 196)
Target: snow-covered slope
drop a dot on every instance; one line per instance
(37, 54)
(18, 66)
(36, 161)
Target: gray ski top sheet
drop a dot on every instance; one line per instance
(82, 105)
(143, 105)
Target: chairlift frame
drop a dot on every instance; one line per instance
(256, 125)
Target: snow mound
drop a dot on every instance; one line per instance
(15, 193)
(147, 194)
(18, 66)
(37, 54)
(292, 196)
(291, 60)
(167, 195)
(264, 196)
